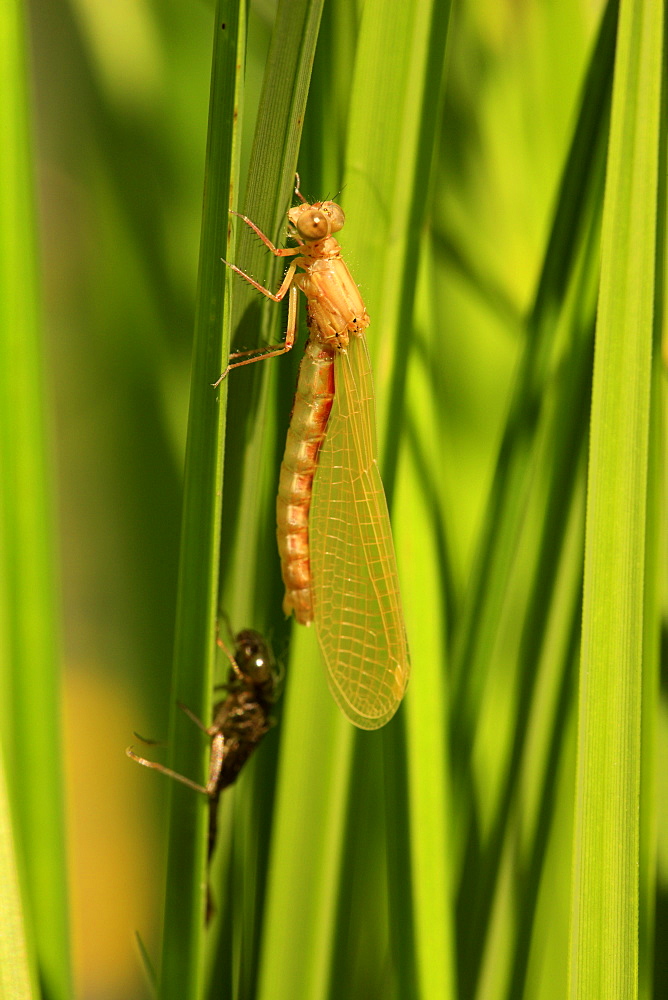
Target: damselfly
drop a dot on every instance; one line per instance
(334, 534)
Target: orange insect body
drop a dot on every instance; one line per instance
(335, 311)
(333, 526)
(308, 426)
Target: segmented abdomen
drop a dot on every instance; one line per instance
(313, 402)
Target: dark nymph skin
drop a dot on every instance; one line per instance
(240, 721)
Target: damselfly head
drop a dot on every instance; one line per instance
(316, 222)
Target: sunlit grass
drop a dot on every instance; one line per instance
(34, 910)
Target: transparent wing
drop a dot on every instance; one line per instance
(356, 602)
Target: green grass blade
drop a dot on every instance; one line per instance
(182, 956)
(250, 443)
(648, 940)
(30, 714)
(307, 838)
(650, 953)
(532, 659)
(250, 592)
(604, 935)
(388, 160)
(513, 668)
(497, 688)
(322, 156)
(578, 199)
(388, 174)
(418, 530)
(276, 140)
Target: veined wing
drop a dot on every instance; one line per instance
(356, 602)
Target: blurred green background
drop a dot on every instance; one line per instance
(119, 92)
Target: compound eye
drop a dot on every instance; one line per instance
(336, 216)
(313, 225)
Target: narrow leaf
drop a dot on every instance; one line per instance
(604, 933)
